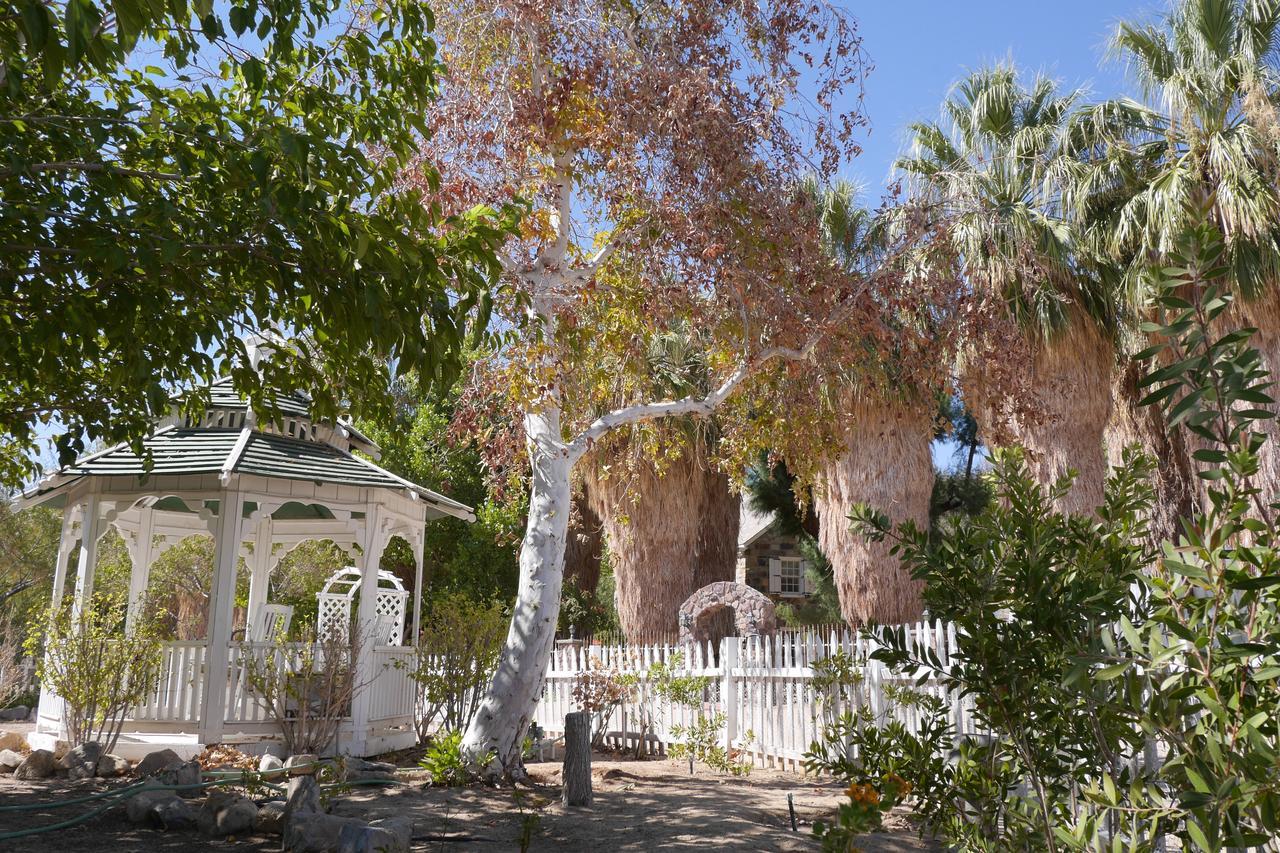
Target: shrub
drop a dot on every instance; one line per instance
(306, 687)
(1087, 654)
(865, 811)
(97, 667)
(445, 762)
(453, 661)
(599, 692)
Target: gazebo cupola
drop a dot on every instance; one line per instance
(259, 490)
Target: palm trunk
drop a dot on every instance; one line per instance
(508, 705)
(1064, 427)
(1175, 481)
(669, 533)
(886, 463)
(584, 547)
(1263, 314)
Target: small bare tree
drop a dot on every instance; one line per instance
(306, 687)
(97, 666)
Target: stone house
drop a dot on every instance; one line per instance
(770, 560)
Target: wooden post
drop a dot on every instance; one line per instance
(729, 690)
(577, 759)
(140, 567)
(222, 600)
(87, 558)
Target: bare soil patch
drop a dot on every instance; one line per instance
(639, 806)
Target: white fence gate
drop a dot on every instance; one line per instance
(762, 685)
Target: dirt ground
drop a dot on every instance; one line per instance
(639, 806)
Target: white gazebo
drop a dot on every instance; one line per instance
(259, 490)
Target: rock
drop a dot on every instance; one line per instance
(269, 763)
(271, 819)
(16, 714)
(225, 814)
(156, 761)
(138, 806)
(354, 838)
(358, 768)
(38, 765)
(299, 765)
(302, 797)
(182, 775)
(12, 740)
(315, 833)
(9, 760)
(173, 813)
(401, 828)
(82, 761)
(110, 766)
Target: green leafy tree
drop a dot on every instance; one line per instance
(476, 559)
(149, 216)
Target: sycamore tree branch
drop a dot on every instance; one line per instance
(698, 406)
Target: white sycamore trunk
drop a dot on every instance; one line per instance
(504, 714)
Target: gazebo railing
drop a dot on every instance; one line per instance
(179, 695)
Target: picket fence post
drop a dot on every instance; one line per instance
(729, 689)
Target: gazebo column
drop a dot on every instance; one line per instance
(87, 554)
(419, 546)
(371, 547)
(140, 568)
(222, 599)
(49, 710)
(259, 574)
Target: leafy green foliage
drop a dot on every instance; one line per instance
(151, 215)
(445, 762)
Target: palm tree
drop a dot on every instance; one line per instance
(986, 169)
(884, 458)
(669, 514)
(1206, 127)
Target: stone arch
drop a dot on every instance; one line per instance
(753, 612)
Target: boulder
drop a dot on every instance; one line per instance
(156, 761)
(270, 766)
(182, 775)
(9, 760)
(354, 838)
(173, 813)
(315, 833)
(301, 765)
(357, 768)
(16, 714)
(225, 814)
(138, 807)
(12, 740)
(82, 761)
(389, 835)
(38, 765)
(110, 766)
(270, 819)
(301, 797)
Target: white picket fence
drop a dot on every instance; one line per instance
(762, 685)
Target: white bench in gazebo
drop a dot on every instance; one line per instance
(259, 490)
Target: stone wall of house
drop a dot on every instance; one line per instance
(753, 565)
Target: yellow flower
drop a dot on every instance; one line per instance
(863, 794)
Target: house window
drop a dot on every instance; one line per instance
(790, 577)
(762, 561)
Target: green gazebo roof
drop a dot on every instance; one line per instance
(225, 442)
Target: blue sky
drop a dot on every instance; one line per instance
(920, 47)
